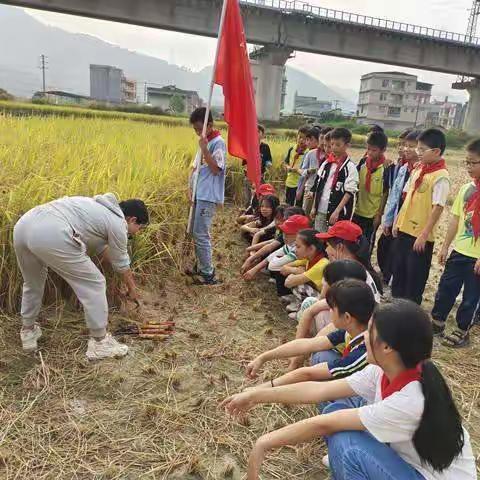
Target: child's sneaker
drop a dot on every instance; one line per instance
(30, 338)
(293, 307)
(106, 348)
(287, 298)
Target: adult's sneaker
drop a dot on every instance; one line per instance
(30, 338)
(105, 348)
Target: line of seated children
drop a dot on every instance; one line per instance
(292, 165)
(249, 213)
(256, 255)
(336, 183)
(397, 177)
(343, 343)
(394, 418)
(372, 186)
(264, 219)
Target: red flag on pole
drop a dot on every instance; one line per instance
(234, 75)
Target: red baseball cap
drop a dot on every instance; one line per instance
(294, 224)
(266, 189)
(345, 230)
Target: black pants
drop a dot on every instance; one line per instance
(280, 281)
(458, 273)
(410, 269)
(385, 253)
(366, 224)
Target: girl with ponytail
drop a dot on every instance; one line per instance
(394, 420)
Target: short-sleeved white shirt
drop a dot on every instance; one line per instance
(395, 420)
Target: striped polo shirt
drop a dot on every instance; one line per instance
(353, 351)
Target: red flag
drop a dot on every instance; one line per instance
(233, 74)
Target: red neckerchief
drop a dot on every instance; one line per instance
(352, 344)
(407, 376)
(213, 134)
(426, 169)
(339, 162)
(315, 260)
(371, 167)
(473, 205)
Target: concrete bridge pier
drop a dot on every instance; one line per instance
(269, 80)
(472, 117)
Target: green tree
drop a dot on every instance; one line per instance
(177, 104)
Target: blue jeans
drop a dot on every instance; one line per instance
(204, 212)
(458, 272)
(359, 456)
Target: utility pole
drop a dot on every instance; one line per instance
(43, 67)
(145, 93)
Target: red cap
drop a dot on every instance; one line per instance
(294, 224)
(345, 230)
(266, 189)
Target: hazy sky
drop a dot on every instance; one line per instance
(197, 52)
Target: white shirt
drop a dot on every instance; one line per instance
(370, 282)
(441, 190)
(327, 189)
(281, 257)
(395, 420)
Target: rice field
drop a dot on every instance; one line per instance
(154, 414)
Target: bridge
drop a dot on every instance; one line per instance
(284, 26)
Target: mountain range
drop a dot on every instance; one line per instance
(70, 54)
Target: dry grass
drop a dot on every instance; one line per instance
(155, 414)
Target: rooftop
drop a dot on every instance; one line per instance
(170, 90)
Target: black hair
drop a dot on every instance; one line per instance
(377, 139)
(290, 211)
(325, 130)
(328, 135)
(135, 208)
(273, 202)
(341, 133)
(280, 211)
(407, 329)
(361, 251)
(342, 269)
(352, 296)
(305, 129)
(433, 138)
(309, 238)
(314, 132)
(198, 115)
(412, 135)
(261, 128)
(474, 147)
(375, 128)
(405, 133)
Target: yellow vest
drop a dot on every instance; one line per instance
(368, 203)
(416, 208)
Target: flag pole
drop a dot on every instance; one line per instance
(198, 156)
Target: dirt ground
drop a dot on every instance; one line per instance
(155, 414)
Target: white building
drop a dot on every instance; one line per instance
(393, 100)
(310, 106)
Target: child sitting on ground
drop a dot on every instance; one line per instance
(340, 353)
(304, 276)
(257, 253)
(252, 210)
(265, 217)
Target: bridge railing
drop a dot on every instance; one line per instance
(298, 6)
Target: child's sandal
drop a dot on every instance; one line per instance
(456, 339)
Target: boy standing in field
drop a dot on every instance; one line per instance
(292, 163)
(373, 188)
(210, 192)
(427, 193)
(265, 153)
(336, 184)
(463, 265)
(311, 162)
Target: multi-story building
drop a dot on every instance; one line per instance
(394, 100)
(162, 98)
(310, 106)
(452, 114)
(109, 84)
